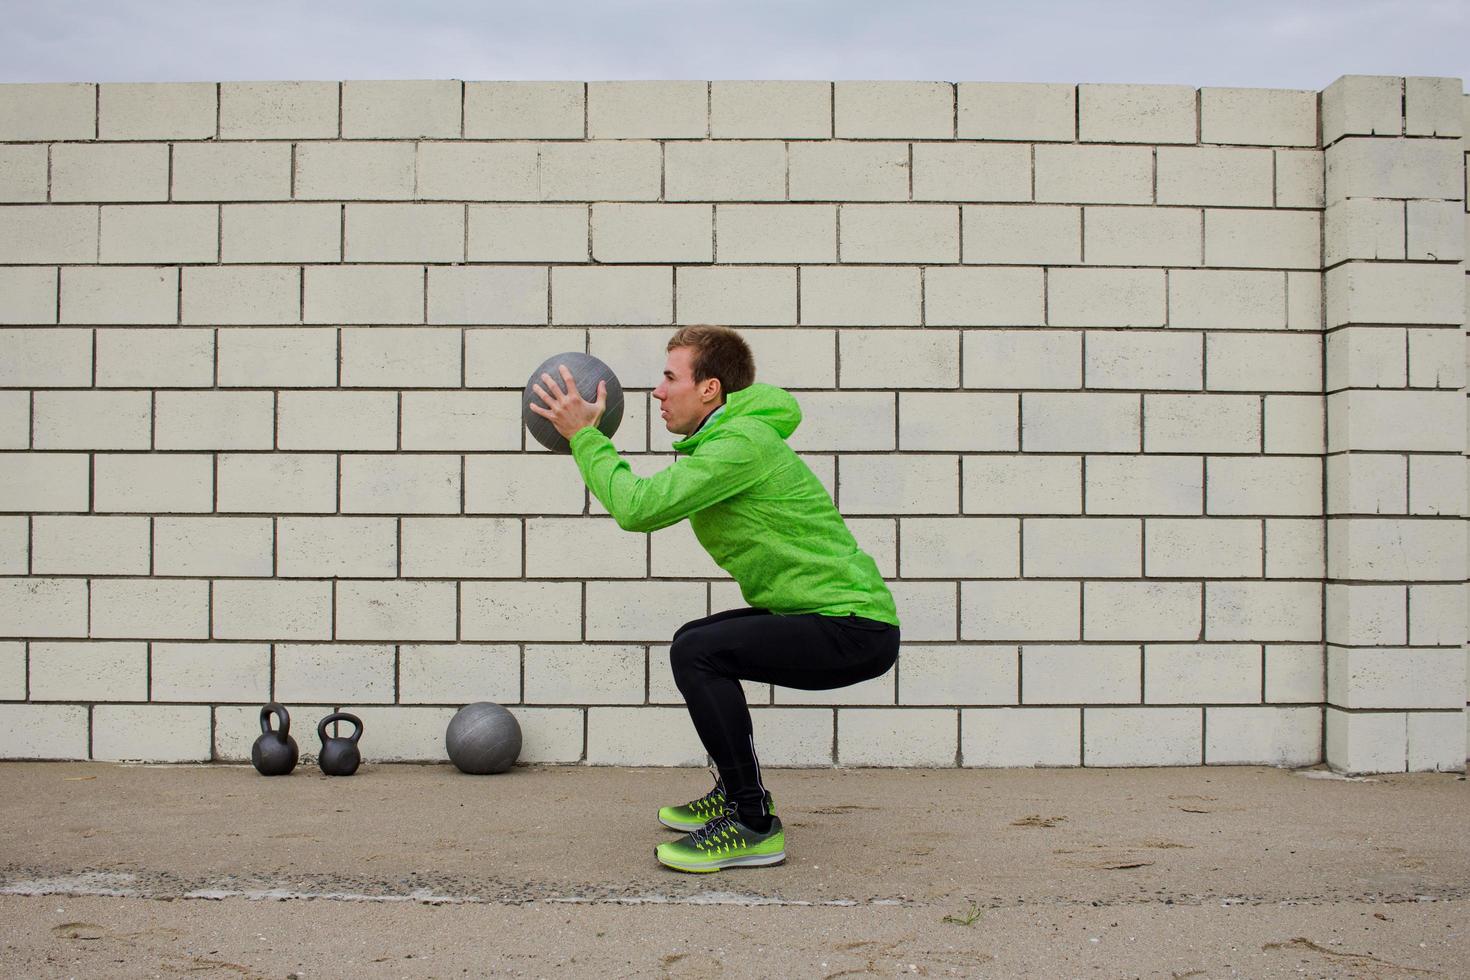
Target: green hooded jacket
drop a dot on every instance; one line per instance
(762, 515)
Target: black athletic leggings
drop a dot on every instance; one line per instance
(711, 656)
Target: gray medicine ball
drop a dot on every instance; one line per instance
(483, 738)
(587, 371)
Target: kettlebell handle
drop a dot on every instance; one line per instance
(283, 718)
(321, 728)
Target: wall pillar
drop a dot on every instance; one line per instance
(1393, 254)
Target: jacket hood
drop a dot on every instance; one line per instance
(768, 404)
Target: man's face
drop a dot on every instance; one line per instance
(684, 401)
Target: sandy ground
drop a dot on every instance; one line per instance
(419, 871)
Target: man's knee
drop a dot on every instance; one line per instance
(687, 654)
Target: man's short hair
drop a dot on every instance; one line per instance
(719, 352)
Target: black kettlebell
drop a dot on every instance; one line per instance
(274, 753)
(339, 756)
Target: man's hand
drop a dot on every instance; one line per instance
(568, 411)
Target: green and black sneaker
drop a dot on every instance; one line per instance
(697, 813)
(722, 843)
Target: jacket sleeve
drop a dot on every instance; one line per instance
(724, 465)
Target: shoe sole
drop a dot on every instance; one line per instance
(681, 827)
(752, 861)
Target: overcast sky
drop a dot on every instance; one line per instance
(1281, 43)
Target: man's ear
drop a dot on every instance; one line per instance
(712, 388)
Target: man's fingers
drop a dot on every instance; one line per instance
(552, 385)
(539, 410)
(571, 381)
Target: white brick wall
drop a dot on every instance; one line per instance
(1128, 389)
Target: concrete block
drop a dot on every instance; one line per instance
(652, 233)
(49, 111)
(1284, 737)
(1294, 423)
(550, 735)
(133, 295)
(214, 672)
(477, 294)
(278, 482)
(522, 485)
(358, 171)
(888, 110)
(1258, 116)
(151, 733)
(1194, 548)
(278, 110)
(1363, 742)
(92, 420)
(899, 233)
(1080, 674)
(983, 297)
(1017, 111)
(966, 674)
(770, 110)
(863, 297)
(153, 483)
(457, 673)
(1436, 741)
(460, 547)
(746, 170)
(363, 294)
(100, 172)
(1362, 105)
(598, 171)
(1022, 484)
(1022, 359)
(1300, 179)
(400, 484)
(84, 544)
(794, 737)
(848, 171)
(1004, 738)
(1022, 234)
(736, 296)
(959, 547)
(1190, 674)
(1274, 485)
(550, 540)
(1395, 678)
(1216, 176)
(1398, 421)
(1436, 230)
(1296, 548)
(156, 110)
(1253, 239)
(44, 731)
(528, 233)
(237, 727)
(776, 233)
(405, 734)
(642, 737)
(47, 234)
(1359, 167)
(1106, 298)
(1363, 228)
(957, 422)
(273, 609)
(900, 485)
(404, 357)
(23, 174)
(173, 609)
(213, 546)
(44, 607)
(168, 357)
(899, 359)
(1437, 614)
(338, 420)
(1295, 673)
(231, 172)
(402, 109)
(1388, 549)
(885, 737)
(270, 357)
(456, 171)
(15, 559)
(1080, 422)
(521, 611)
(1201, 423)
(1263, 362)
(89, 671)
(649, 611)
(1362, 483)
(1141, 611)
(28, 296)
(280, 233)
(404, 233)
(214, 420)
(674, 552)
(1263, 611)
(1094, 174)
(1136, 114)
(1367, 357)
(397, 610)
(1436, 358)
(1437, 485)
(13, 671)
(337, 547)
(971, 172)
(1020, 610)
(1085, 547)
(647, 110)
(1304, 300)
(1140, 485)
(1367, 615)
(241, 294)
(469, 420)
(1144, 360)
(1142, 736)
(1391, 293)
(524, 110)
(45, 482)
(51, 357)
(334, 673)
(580, 675)
(613, 296)
(1432, 107)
